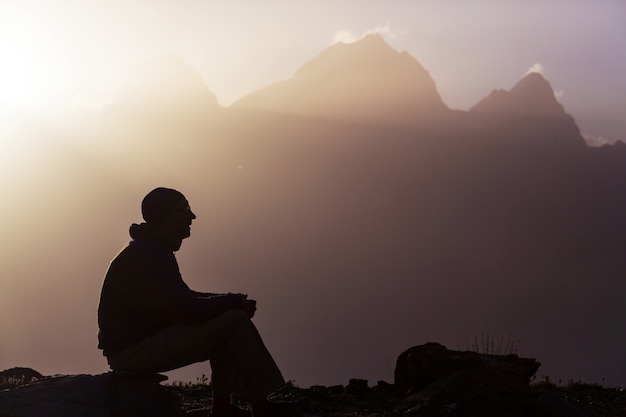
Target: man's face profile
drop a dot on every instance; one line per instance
(177, 225)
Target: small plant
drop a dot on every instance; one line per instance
(543, 384)
(202, 381)
(579, 385)
(490, 345)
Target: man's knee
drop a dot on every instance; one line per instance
(225, 324)
(230, 324)
(233, 316)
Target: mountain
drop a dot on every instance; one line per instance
(167, 87)
(532, 95)
(369, 82)
(365, 80)
(528, 113)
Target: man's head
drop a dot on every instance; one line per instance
(168, 212)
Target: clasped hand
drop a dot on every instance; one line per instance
(247, 305)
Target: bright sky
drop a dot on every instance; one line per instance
(71, 53)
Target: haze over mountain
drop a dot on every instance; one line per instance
(366, 80)
(532, 95)
(362, 213)
(164, 87)
(531, 108)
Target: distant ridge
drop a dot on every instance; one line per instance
(165, 86)
(366, 82)
(362, 80)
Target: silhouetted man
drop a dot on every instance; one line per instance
(151, 321)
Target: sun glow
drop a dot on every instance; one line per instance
(31, 73)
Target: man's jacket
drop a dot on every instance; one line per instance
(144, 292)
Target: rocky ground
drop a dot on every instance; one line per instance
(594, 399)
(359, 400)
(429, 380)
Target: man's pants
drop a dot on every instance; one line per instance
(240, 362)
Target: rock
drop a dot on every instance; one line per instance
(357, 387)
(385, 387)
(553, 405)
(421, 365)
(104, 395)
(13, 377)
(438, 381)
(620, 405)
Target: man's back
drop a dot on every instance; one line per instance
(128, 310)
(143, 292)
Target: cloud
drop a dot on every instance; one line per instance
(537, 68)
(344, 36)
(384, 30)
(347, 36)
(596, 141)
(558, 94)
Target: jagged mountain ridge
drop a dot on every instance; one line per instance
(363, 82)
(166, 87)
(359, 81)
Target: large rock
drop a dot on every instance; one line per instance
(104, 395)
(420, 366)
(438, 381)
(18, 376)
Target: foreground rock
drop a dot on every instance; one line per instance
(102, 395)
(436, 381)
(18, 376)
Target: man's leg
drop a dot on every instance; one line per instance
(243, 364)
(239, 359)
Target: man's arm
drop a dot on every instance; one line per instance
(167, 293)
(199, 294)
(249, 306)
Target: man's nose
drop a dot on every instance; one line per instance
(192, 214)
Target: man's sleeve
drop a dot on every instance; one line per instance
(173, 298)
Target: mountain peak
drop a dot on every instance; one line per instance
(166, 84)
(532, 95)
(532, 104)
(536, 94)
(366, 51)
(373, 38)
(359, 80)
(531, 80)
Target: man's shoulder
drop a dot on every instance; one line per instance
(144, 250)
(144, 245)
(137, 249)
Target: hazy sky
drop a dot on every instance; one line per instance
(75, 53)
